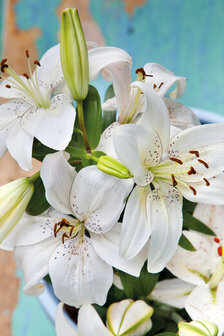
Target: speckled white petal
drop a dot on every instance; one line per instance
(200, 306)
(84, 277)
(94, 326)
(164, 79)
(106, 143)
(211, 215)
(52, 126)
(33, 261)
(138, 148)
(156, 115)
(109, 104)
(12, 92)
(136, 226)
(192, 266)
(181, 116)
(107, 247)
(102, 57)
(50, 73)
(212, 194)
(20, 143)
(94, 194)
(58, 177)
(173, 292)
(166, 222)
(62, 326)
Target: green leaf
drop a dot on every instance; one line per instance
(188, 206)
(193, 223)
(93, 116)
(166, 334)
(138, 287)
(75, 151)
(109, 116)
(186, 244)
(40, 151)
(38, 203)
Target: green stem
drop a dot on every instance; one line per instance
(82, 125)
(34, 177)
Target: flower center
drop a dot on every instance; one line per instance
(174, 168)
(69, 230)
(28, 85)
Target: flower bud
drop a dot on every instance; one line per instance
(198, 328)
(74, 54)
(113, 167)
(14, 198)
(129, 318)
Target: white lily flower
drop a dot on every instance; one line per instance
(165, 169)
(123, 318)
(204, 269)
(197, 328)
(58, 239)
(14, 198)
(32, 112)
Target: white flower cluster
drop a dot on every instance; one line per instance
(112, 206)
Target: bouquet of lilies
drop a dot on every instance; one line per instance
(111, 219)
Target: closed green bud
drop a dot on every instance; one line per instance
(198, 328)
(74, 54)
(113, 167)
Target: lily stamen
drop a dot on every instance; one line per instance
(193, 189)
(191, 171)
(176, 160)
(206, 182)
(194, 152)
(204, 163)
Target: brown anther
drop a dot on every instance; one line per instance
(154, 86)
(194, 191)
(204, 163)
(140, 70)
(55, 230)
(194, 152)
(173, 180)
(27, 53)
(3, 61)
(63, 237)
(25, 75)
(3, 67)
(37, 63)
(176, 160)
(72, 228)
(8, 86)
(191, 171)
(206, 182)
(161, 84)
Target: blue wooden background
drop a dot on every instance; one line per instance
(186, 36)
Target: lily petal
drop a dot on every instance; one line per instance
(84, 277)
(33, 261)
(52, 126)
(106, 144)
(107, 247)
(138, 148)
(173, 292)
(58, 177)
(20, 144)
(13, 92)
(94, 326)
(62, 326)
(200, 305)
(164, 79)
(193, 267)
(166, 222)
(136, 226)
(156, 115)
(94, 194)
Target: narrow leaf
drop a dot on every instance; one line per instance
(193, 223)
(186, 244)
(38, 203)
(40, 150)
(93, 116)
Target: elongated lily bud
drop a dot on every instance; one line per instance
(198, 328)
(129, 318)
(14, 198)
(113, 167)
(74, 55)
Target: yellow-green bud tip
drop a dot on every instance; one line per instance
(74, 54)
(113, 167)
